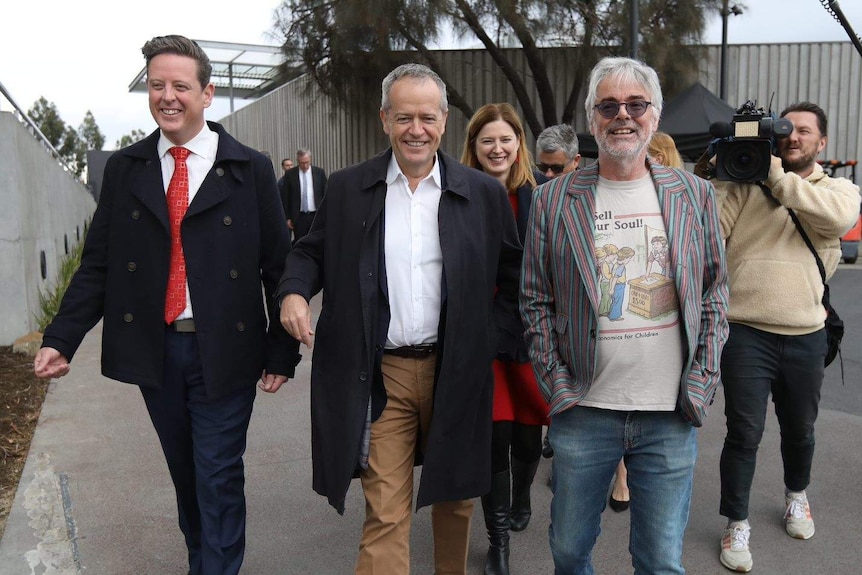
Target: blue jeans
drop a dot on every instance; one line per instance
(660, 451)
(754, 364)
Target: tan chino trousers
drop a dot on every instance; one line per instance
(388, 481)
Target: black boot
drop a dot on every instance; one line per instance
(547, 450)
(522, 479)
(495, 506)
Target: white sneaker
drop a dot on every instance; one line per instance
(797, 518)
(735, 553)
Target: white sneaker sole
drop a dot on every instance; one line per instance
(800, 535)
(741, 568)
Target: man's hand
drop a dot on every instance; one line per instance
(776, 170)
(705, 166)
(50, 364)
(296, 318)
(289, 224)
(270, 382)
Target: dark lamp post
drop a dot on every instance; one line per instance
(725, 12)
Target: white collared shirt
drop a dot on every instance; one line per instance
(309, 190)
(414, 261)
(203, 148)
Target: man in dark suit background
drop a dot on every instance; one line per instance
(409, 249)
(188, 227)
(304, 187)
(286, 165)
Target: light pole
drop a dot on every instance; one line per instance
(725, 12)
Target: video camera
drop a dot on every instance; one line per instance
(746, 145)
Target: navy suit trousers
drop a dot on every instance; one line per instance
(203, 442)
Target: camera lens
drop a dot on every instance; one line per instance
(744, 161)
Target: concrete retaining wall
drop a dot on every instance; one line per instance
(43, 210)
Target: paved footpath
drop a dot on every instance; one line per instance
(95, 496)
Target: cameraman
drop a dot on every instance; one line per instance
(777, 340)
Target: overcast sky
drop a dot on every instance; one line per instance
(83, 55)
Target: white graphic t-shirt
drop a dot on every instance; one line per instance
(640, 348)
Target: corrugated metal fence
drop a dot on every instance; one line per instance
(828, 74)
(299, 115)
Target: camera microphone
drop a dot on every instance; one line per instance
(720, 130)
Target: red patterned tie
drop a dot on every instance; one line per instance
(178, 202)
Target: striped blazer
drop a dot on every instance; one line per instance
(560, 294)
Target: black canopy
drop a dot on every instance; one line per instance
(686, 118)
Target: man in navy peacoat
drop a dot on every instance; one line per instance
(197, 373)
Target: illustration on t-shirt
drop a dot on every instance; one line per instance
(644, 257)
(617, 287)
(658, 256)
(606, 257)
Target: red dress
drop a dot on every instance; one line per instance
(516, 393)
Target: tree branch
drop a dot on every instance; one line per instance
(509, 12)
(472, 20)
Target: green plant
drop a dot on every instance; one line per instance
(50, 298)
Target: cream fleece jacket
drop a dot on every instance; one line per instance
(774, 282)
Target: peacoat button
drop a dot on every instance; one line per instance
(131, 266)
(234, 274)
(363, 376)
(370, 274)
(219, 171)
(128, 318)
(136, 214)
(378, 347)
(227, 220)
(240, 326)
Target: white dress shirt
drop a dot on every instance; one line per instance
(414, 261)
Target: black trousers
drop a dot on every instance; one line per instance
(302, 224)
(754, 364)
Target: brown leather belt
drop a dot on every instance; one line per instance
(183, 325)
(422, 350)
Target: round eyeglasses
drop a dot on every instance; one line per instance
(635, 108)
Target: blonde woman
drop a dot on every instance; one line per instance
(662, 149)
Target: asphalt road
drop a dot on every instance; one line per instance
(95, 496)
(845, 290)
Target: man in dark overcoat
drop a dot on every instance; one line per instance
(410, 249)
(198, 355)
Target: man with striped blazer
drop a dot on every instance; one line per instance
(626, 353)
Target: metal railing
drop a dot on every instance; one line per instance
(37, 133)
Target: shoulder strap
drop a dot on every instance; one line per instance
(825, 301)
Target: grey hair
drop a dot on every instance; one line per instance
(559, 138)
(625, 69)
(303, 152)
(417, 72)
